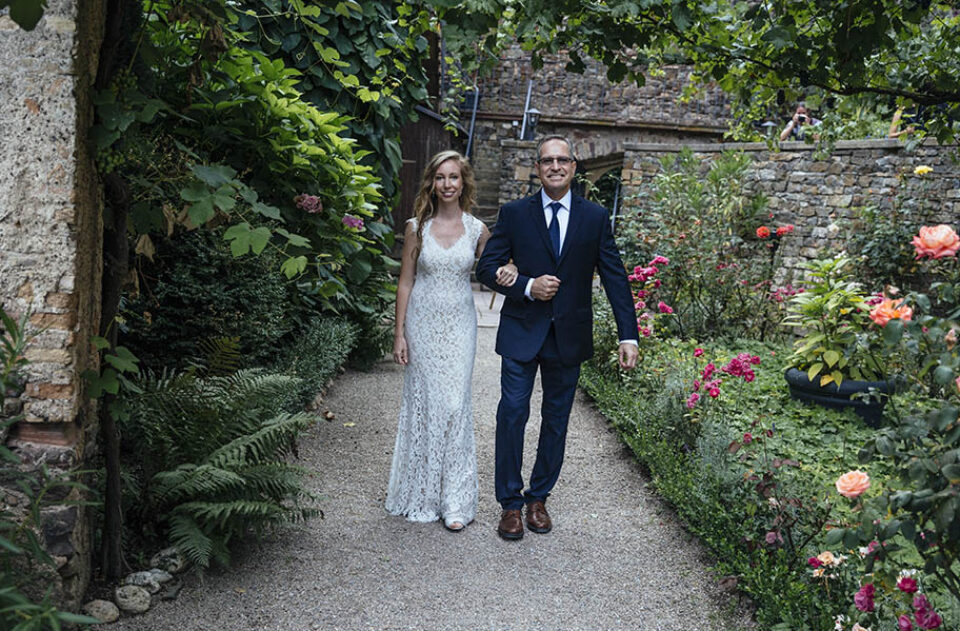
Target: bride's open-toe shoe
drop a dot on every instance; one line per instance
(454, 525)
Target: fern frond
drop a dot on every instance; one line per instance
(273, 437)
(190, 481)
(190, 539)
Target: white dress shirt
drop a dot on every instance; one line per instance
(563, 218)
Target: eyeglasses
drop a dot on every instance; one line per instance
(561, 161)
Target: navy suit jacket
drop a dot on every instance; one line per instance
(521, 235)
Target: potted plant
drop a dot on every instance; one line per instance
(834, 359)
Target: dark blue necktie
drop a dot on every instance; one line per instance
(554, 227)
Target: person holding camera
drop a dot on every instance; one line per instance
(796, 128)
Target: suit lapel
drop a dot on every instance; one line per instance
(573, 225)
(539, 224)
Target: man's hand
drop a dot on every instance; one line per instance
(628, 354)
(545, 287)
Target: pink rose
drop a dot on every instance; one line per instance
(697, 352)
(903, 623)
(936, 242)
(907, 585)
(714, 392)
(853, 484)
(692, 400)
(664, 307)
(814, 562)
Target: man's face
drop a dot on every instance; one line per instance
(556, 168)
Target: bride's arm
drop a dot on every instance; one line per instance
(408, 273)
(506, 274)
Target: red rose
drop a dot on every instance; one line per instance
(763, 232)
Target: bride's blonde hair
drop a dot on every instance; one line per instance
(425, 204)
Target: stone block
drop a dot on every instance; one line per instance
(49, 390)
(58, 526)
(59, 321)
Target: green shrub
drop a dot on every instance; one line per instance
(318, 353)
(194, 291)
(719, 281)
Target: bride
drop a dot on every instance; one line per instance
(434, 471)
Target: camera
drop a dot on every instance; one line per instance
(802, 118)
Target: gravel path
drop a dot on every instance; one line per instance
(616, 558)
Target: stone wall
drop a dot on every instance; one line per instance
(815, 193)
(559, 94)
(50, 245)
(600, 117)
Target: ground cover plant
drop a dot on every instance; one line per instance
(826, 523)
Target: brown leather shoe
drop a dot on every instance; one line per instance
(538, 520)
(511, 525)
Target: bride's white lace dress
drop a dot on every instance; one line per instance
(434, 471)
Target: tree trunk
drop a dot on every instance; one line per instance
(115, 266)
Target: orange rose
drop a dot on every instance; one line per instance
(853, 484)
(890, 309)
(936, 242)
(763, 232)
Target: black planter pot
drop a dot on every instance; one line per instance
(870, 409)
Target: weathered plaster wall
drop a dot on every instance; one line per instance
(50, 248)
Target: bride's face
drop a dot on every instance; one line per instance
(447, 183)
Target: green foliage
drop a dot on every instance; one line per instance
(368, 60)
(208, 131)
(13, 342)
(26, 13)
(868, 51)
(209, 452)
(194, 290)
(834, 321)
(760, 502)
(920, 512)
(701, 218)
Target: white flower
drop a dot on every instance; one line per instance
(838, 623)
(906, 573)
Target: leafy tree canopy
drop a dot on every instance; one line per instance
(871, 51)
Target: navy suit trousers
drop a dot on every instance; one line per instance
(559, 383)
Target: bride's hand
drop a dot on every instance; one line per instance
(507, 275)
(400, 350)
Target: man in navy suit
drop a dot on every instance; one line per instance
(556, 240)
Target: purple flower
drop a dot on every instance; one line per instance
(863, 599)
(352, 222)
